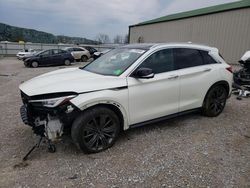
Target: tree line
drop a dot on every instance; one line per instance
(118, 39)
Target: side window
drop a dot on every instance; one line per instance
(46, 53)
(61, 51)
(70, 49)
(161, 61)
(185, 58)
(55, 51)
(207, 58)
(78, 49)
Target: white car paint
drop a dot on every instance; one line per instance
(23, 54)
(143, 99)
(246, 56)
(71, 79)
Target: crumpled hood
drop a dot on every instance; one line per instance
(70, 80)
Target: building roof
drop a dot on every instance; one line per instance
(198, 12)
(147, 46)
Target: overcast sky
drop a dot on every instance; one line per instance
(87, 18)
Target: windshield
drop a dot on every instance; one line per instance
(115, 62)
(37, 53)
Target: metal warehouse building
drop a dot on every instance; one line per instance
(225, 26)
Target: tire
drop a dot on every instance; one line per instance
(84, 58)
(67, 62)
(26, 64)
(95, 130)
(34, 64)
(215, 101)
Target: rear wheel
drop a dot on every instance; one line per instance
(95, 130)
(67, 62)
(84, 58)
(34, 64)
(215, 101)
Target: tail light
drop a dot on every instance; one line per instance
(230, 69)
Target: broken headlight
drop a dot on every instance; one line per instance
(53, 102)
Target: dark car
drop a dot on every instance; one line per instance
(49, 57)
(99, 54)
(91, 50)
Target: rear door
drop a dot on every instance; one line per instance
(45, 57)
(196, 75)
(56, 57)
(78, 52)
(155, 97)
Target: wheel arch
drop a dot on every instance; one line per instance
(114, 106)
(224, 83)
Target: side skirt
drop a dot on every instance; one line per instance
(171, 116)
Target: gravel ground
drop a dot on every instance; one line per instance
(192, 151)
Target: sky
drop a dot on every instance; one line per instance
(88, 18)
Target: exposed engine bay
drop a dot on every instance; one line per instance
(49, 115)
(242, 77)
(53, 128)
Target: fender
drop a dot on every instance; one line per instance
(110, 102)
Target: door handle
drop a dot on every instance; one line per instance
(173, 77)
(207, 70)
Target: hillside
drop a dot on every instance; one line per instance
(15, 34)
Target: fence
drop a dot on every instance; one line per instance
(12, 48)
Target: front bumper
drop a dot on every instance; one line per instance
(24, 115)
(38, 116)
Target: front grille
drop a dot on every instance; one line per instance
(25, 98)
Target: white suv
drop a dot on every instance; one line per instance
(79, 53)
(130, 86)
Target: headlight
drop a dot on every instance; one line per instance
(51, 103)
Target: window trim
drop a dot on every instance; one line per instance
(199, 51)
(131, 74)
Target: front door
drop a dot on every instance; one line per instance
(155, 97)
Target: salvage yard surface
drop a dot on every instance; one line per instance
(192, 151)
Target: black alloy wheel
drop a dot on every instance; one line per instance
(96, 130)
(215, 101)
(84, 58)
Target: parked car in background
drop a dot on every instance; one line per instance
(91, 50)
(79, 53)
(130, 86)
(49, 57)
(24, 53)
(99, 54)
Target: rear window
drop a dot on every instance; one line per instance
(207, 58)
(185, 58)
(78, 49)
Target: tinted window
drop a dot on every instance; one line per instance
(61, 51)
(45, 53)
(185, 58)
(70, 49)
(207, 59)
(55, 51)
(78, 49)
(161, 61)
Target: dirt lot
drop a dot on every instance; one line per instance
(192, 151)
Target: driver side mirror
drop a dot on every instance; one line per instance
(144, 73)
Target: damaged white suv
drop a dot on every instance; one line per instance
(130, 86)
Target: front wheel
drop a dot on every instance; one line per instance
(67, 62)
(215, 101)
(34, 64)
(95, 129)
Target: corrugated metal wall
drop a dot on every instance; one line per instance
(229, 31)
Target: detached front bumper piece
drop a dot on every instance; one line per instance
(24, 115)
